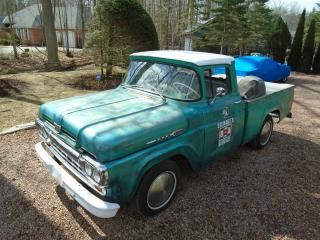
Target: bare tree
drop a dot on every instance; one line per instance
(66, 28)
(50, 33)
(10, 8)
(83, 25)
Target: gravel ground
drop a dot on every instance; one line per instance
(269, 194)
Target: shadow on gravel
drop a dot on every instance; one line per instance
(13, 89)
(269, 194)
(19, 218)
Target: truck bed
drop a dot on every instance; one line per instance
(278, 99)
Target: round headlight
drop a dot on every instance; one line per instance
(88, 169)
(96, 176)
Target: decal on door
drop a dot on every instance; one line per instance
(225, 131)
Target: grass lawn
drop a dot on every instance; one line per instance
(21, 94)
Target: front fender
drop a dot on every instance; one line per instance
(126, 174)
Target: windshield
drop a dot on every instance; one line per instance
(166, 80)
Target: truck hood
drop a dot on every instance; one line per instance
(115, 123)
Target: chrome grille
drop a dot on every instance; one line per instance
(69, 157)
(65, 155)
(59, 151)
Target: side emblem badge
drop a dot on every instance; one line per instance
(226, 112)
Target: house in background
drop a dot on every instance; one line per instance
(192, 32)
(27, 24)
(4, 31)
(1, 20)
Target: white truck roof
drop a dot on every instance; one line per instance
(197, 58)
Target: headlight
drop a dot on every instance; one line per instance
(99, 174)
(88, 169)
(96, 176)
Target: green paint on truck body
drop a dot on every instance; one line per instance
(129, 130)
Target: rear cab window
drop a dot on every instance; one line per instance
(217, 76)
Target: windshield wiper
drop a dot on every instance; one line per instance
(140, 87)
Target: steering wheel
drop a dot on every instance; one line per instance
(190, 90)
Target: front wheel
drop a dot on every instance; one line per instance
(264, 135)
(158, 188)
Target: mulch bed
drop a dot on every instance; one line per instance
(88, 82)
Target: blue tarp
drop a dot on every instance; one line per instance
(264, 67)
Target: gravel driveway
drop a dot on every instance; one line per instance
(269, 194)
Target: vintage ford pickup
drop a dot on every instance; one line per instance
(174, 109)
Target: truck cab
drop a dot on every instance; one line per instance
(173, 109)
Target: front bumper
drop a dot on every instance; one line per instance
(86, 199)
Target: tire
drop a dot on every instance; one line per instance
(264, 136)
(166, 177)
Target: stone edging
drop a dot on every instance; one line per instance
(19, 127)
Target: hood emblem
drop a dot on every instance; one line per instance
(57, 127)
(166, 137)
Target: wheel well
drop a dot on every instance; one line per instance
(275, 114)
(182, 162)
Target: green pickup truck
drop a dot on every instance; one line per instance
(174, 109)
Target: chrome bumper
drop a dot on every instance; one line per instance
(86, 199)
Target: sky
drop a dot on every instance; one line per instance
(308, 4)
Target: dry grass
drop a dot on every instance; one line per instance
(21, 94)
(35, 60)
(269, 194)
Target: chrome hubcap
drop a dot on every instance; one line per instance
(266, 133)
(161, 190)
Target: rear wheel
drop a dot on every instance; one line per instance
(158, 188)
(264, 136)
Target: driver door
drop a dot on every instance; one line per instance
(224, 115)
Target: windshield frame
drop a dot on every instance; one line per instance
(169, 64)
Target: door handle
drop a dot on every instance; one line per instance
(237, 102)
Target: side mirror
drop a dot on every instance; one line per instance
(220, 91)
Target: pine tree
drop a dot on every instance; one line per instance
(294, 58)
(280, 40)
(308, 49)
(286, 38)
(260, 21)
(316, 61)
(238, 25)
(314, 14)
(225, 25)
(119, 28)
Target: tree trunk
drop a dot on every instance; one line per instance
(222, 38)
(83, 25)
(66, 27)
(50, 33)
(110, 50)
(12, 33)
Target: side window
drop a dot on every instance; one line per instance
(217, 77)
